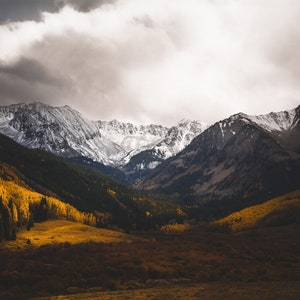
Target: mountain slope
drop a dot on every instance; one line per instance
(279, 211)
(234, 159)
(82, 187)
(60, 130)
(86, 189)
(20, 206)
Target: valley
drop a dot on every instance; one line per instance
(261, 263)
(109, 210)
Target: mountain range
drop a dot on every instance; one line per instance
(67, 133)
(240, 161)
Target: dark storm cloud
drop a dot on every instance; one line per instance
(22, 10)
(18, 90)
(70, 69)
(29, 70)
(27, 80)
(84, 5)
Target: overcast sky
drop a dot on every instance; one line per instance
(152, 61)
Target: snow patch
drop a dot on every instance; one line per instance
(153, 164)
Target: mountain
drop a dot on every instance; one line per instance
(240, 159)
(60, 130)
(176, 139)
(132, 139)
(67, 133)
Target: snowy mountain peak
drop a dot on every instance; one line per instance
(60, 130)
(66, 132)
(184, 122)
(274, 121)
(239, 115)
(280, 121)
(191, 123)
(165, 141)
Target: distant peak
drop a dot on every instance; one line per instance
(278, 121)
(240, 115)
(188, 121)
(38, 104)
(184, 121)
(115, 122)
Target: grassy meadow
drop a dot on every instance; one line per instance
(66, 260)
(62, 231)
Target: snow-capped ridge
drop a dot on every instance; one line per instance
(280, 121)
(179, 137)
(60, 130)
(274, 121)
(66, 132)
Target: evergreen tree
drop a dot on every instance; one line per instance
(7, 222)
(42, 211)
(13, 219)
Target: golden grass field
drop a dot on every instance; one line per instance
(63, 231)
(275, 211)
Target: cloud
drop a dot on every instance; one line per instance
(84, 5)
(31, 71)
(27, 80)
(31, 10)
(156, 61)
(15, 10)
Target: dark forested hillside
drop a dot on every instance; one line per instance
(85, 188)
